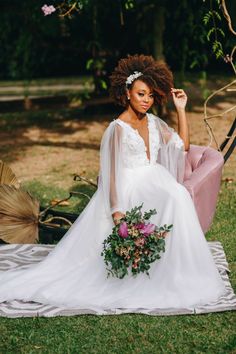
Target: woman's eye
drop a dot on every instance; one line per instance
(141, 94)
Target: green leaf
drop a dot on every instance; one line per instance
(216, 13)
(210, 32)
(103, 84)
(89, 63)
(207, 17)
(220, 31)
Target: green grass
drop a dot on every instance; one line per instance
(46, 193)
(213, 333)
(210, 333)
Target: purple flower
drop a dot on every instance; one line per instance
(48, 10)
(147, 229)
(140, 226)
(123, 230)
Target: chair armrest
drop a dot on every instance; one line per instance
(204, 184)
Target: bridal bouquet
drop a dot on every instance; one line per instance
(134, 244)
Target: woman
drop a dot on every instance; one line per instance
(142, 161)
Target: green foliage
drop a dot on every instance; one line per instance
(212, 31)
(212, 19)
(210, 15)
(97, 67)
(217, 49)
(66, 7)
(41, 45)
(135, 250)
(186, 36)
(129, 4)
(62, 45)
(80, 4)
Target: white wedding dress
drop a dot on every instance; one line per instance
(74, 275)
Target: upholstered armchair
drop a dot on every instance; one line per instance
(203, 169)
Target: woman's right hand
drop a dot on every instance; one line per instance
(117, 216)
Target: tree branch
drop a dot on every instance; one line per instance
(227, 16)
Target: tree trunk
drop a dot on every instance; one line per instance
(158, 31)
(158, 47)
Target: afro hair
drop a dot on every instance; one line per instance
(155, 74)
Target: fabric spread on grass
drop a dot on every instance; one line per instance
(23, 256)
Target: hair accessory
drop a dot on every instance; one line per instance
(132, 77)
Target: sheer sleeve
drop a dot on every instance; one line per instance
(110, 175)
(171, 153)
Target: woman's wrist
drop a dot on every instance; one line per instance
(180, 110)
(183, 129)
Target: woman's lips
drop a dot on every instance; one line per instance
(145, 107)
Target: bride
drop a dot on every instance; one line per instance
(142, 161)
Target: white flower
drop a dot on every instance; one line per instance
(132, 77)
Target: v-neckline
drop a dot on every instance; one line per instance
(147, 149)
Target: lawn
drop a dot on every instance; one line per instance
(45, 148)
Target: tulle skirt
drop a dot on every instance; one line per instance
(74, 274)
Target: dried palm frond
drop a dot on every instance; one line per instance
(7, 176)
(19, 214)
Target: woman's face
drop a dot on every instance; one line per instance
(141, 97)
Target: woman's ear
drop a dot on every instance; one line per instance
(128, 94)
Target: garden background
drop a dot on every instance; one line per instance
(54, 108)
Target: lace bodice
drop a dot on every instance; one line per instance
(123, 148)
(134, 150)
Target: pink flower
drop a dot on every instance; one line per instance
(147, 229)
(123, 230)
(48, 10)
(140, 242)
(139, 226)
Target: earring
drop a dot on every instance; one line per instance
(128, 98)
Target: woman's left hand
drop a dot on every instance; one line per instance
(179, 98)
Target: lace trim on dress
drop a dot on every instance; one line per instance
(133, 146)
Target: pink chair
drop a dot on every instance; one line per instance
(202, 179)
